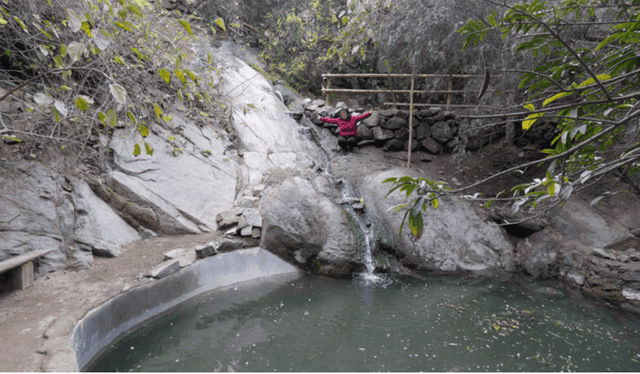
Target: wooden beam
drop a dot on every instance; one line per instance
(16, 261)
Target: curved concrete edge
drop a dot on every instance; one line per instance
(104, 324)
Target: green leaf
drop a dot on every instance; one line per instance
(11, 138)
(601, 78)
(148, 149)
(530, 120)
(180, 74)
(143, 130)
(530, 107)
(82, 103)
(136, 150)
(416, 225)
(220, 23)
(436, 204)
(185, 25)
(86, 28)
(158, 110)
(165, 74)
(551, 187)
(132, 117)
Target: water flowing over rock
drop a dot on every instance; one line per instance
(455, 237)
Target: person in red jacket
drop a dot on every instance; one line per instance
(348, 128)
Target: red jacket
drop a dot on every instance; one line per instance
(347, 128)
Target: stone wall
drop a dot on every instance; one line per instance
(434, 129)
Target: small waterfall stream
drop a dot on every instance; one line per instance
(351, 203)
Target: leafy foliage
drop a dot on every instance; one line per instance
(427, 193)
(90, 66)
(586, 78)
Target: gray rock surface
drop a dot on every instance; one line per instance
(455, 237)
(41, 209)
(165, 269)
(185, 188)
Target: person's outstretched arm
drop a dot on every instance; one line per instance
(361, 117)
(330, 120)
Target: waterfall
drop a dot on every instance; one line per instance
(350, 202)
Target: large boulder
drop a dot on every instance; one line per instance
(308, 228)
(455, 237)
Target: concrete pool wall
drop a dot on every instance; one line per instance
(102, 325)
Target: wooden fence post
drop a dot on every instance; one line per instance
(413, 72)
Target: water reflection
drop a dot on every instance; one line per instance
(436, 324)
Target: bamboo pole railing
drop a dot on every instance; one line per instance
(327, 87)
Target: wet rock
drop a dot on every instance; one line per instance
(403, 134)
(388, 113)
(414, 145)
(577, 220)
(424, 113)
(538, 254)
(393, 145)
(404, 114)
(435, 110)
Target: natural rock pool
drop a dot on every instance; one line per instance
(320, 323)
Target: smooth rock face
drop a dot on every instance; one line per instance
(577, 220)
(185, 188)
(455, 238)
(41, 209)
(307, 228)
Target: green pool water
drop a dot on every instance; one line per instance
(434, 324)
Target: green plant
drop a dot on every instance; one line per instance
(586, 78)
(89, 65)
(427, 193)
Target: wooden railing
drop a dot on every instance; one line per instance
(326, 78)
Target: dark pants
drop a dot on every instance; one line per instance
(347, 143)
